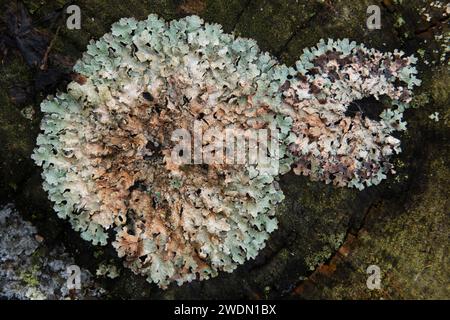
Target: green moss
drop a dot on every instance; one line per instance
(224, 12)
(323, 197)
(332, 242)
(420, 100)
(17, 133)
(440, 86)
(282, 18)
(30, 276)
(407, 242)
(16, 71)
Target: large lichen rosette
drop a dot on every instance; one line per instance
(333, 140)
(106, 147)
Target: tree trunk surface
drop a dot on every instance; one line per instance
(327, 237)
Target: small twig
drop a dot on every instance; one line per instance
(43, 65)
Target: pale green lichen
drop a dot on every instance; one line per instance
(434, 116)
(330, 144)
(106, 146)
(107, 270)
